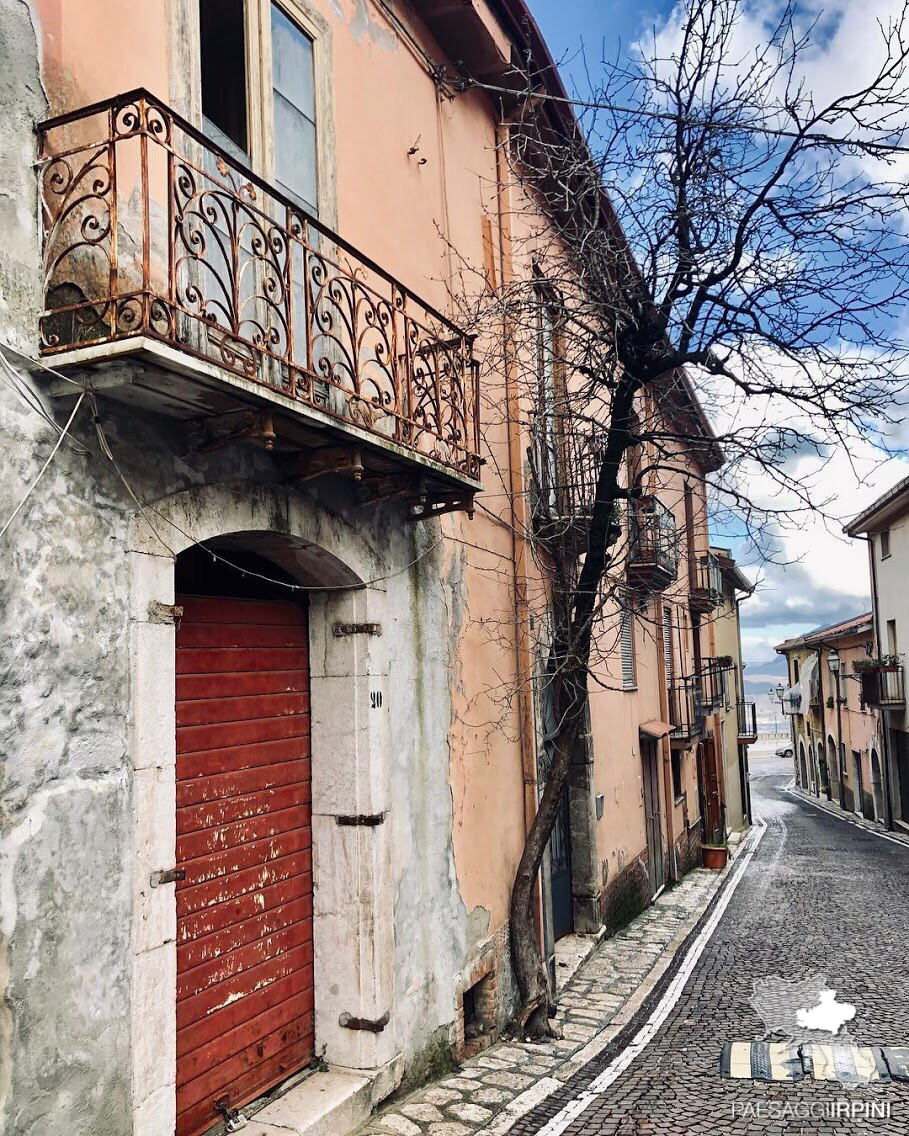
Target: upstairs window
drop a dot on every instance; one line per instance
(668, 660)
(885, 544)
(270, 126)
(294, 109)
(629, 675)
(547, 424)
(222, 44)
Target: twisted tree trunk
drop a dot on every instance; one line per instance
(569, 658)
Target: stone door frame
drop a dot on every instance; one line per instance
(352, 863)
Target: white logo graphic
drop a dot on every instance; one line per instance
(828, 1014)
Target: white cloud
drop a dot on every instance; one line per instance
(820, 576)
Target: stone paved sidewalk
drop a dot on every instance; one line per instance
(490, 1091)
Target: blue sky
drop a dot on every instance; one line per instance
(827, 579)
(613, 23)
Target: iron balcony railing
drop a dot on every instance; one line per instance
(565, 464)
(747, 719)
(150, 229)
(705, 583)
(653, 553)
(883, 685)
(687, 709)
(713, 681)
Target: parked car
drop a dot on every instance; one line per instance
(784, 751)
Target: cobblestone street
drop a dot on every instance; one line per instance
(820, 896)
(491, 1091)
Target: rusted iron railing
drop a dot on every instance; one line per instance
(747, 721)
(705, 583)
(150, 229)
(653, 556)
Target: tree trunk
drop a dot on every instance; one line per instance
(570, 652)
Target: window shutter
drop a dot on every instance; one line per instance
(667, 646)
(629, 678)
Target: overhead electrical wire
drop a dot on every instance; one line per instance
(146, 508)
(536, 95)
(43, 469)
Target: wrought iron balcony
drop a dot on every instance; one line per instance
(565, 465)
(687, 710)
(883, 683)
(713, 681)
(653, 553)
(226, 296)
(705, 584)
(747, 716)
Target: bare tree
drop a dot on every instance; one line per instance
(700, 218)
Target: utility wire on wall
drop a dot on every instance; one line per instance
(145, 507)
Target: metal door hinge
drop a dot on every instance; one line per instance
(341, 629)
(370, 1025)
(361, 820)
(168, 876)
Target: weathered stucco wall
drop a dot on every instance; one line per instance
(66, 839)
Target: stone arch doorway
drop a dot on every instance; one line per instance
(803, 767)
(823, 772)
(833, 768)
(244, 894)
(877, 785)
(353, 949)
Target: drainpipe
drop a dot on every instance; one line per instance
(885, 733)
(841, 755)
(666, 743)
(518, 521)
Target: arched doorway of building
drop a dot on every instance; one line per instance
(245, 980)
(803, 767)
(833, 769)
(823, 772)
(877, 785)
(858, 788)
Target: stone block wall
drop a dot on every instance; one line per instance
(627, 894)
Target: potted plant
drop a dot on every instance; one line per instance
(715, 856)
(884, 663)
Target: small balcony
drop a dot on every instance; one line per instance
(653, 553)
(565, 466)
(178, 281)
(713, 681)
(705, 584)
(747, 716)
(883, 683)
(687, 710)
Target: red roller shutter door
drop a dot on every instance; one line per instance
(244, 910)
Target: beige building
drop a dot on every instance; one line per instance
(837, 736)
(884, 526)
(738, 717)
(275, 730)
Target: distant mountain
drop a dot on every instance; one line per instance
(757, 688)
(760, 677)
(775, 667)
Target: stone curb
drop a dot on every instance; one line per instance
(420, 1113)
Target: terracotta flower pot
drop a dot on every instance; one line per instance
(715, 856)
